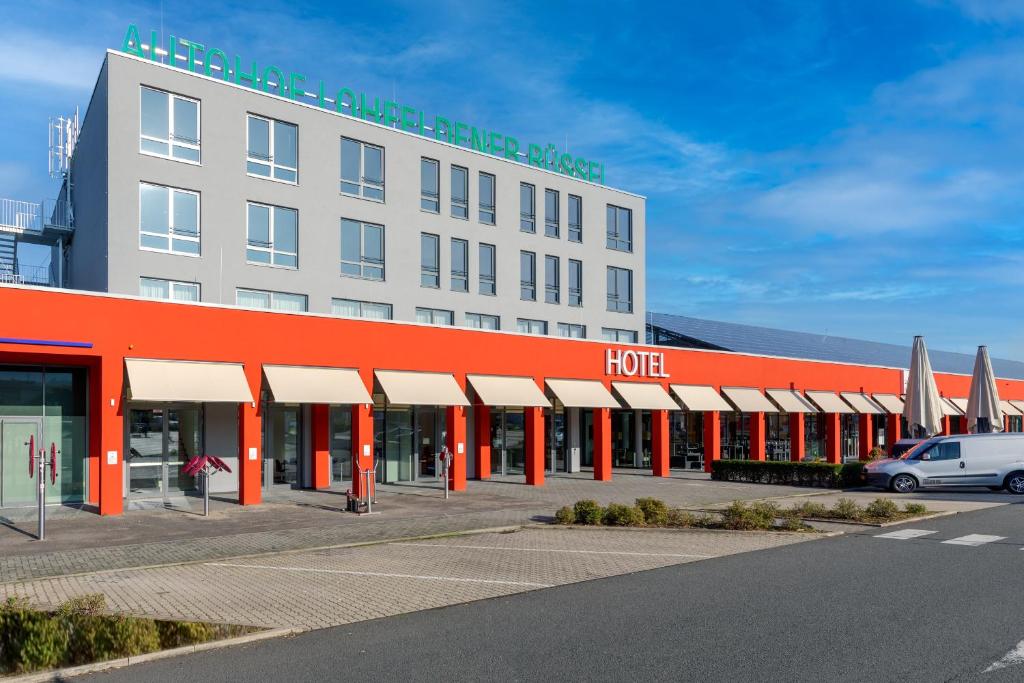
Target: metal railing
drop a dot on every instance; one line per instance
(19, 216)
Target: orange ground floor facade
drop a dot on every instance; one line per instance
(123, 391)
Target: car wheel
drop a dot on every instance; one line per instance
(1015, 482)
(904, 483)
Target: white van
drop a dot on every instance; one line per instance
(992, 460)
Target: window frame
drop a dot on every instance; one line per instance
(273, 295)
(364, 262)
(488, 213)
(491, 279)
(271, 162)
(553, 228)
(172, 140)
(480, 317)
(575, 293)
(362, 304)
(362, 183)
(618, 301)
(553, 292)
(170, 235)
(425, 196)
(462, 205)
(272, 250)
(575, 229)
(528, 221)
(528, 284)
(618, 331)
(459, 276)
(530, 321)
(613, 240)
(427, 271)
(171, 285)
(433, 314)
(569, 327)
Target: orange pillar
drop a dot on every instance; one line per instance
(796, 436)
(712, 438)
(892, 430)
(111, 423)
(321, 455)
(865, 436)
(455, 417)
(757, 436)
(250, 460)
(602, 444)
(534, 446)
(833, 435)
(659, 443)
(482, 447)
(945, 425)
(362, 445)
(95, 429)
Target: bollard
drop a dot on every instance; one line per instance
(206, 493)
(41, 497)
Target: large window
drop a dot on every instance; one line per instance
(527, 276)
(430, 260)
(272, 149)
(572, 330)
(435, 316)
(620, 290)
(575, 218)
(273, 235)
(552, 283)
(155, 288)
(620, 228)
(487, 198)
(552, 221)
(350, 308)
(483, 321)
(616, 335)
(460, 265)
(278, 301)
(487, 265)
(362, 170)
(362, 249)
(430, 188)
(168, 219)
(460, 192)
(527, 208)
(169, 125)
(575, 282)
(529, 326)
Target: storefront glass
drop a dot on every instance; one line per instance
(776, 442)
(686, 432)
(555, 423)
(282, 427)
(735, 436)
(814, 436)
(624, 443)
(508, 441)
(160, 442)
(341, 444)
(849, 438)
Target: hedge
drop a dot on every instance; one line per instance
(820, 474)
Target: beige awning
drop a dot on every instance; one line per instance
(791, 401)
(1019, 405)
(1008, 408)
(949, 408)
(960, 403)
(185, 380)
(700, 398)
(421, 388)
(582, 393)
(891, 402)
(861, 403)
(829, 402)
(303, 384)
(749, 400)
(519, 392)
(645, 396)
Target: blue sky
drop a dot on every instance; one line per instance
(851, 168)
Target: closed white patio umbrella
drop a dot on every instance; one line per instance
(984, 414)
(923, 407)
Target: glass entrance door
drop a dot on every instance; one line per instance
(508, 441)
(16, 435)
(426, 438)
(282, 444)
(160, 442)
(555, 421)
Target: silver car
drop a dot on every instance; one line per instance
(992, 460)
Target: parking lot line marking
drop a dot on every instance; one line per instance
(906, 534)
(554, 550)
(974, 539)
(386, 575)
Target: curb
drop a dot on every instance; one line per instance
(60, 674)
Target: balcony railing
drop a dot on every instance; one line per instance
(42, 276)
(35, 217)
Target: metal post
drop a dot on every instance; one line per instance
(41, 495)
(369, 499)
(206, 493)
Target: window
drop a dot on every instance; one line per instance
(487, 211)
(615, 335)
(272, 149)
(575, 218)
(487, 265)
(575, 282)
(273, 236)
(168, 219)
(552, 286)
(460, 265)
(351, 308)
(362, 249)
(551, 221)
(527, 276)
(620, 228)
(483, 321)
(527, 208)
(362, 170)
(430, 187)
(277, 301)
(620, 290)
(435, 316)
(572, 330)
(460, 192)
(169, 125)
(944, 450)
(430, 260)
(527, 326)
(153, 288)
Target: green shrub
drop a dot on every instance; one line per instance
(29, 640)
(617, 514)
(743, 517)
(588, 512)
(882, 508)
(877, 453)
(811, 509)
(820, 474)
(847, 509)
(791, 521)
(655, 511)
(915, 508)
(680, 518)
(565, 515)
(181, 633)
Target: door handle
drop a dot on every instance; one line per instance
(962, 464)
